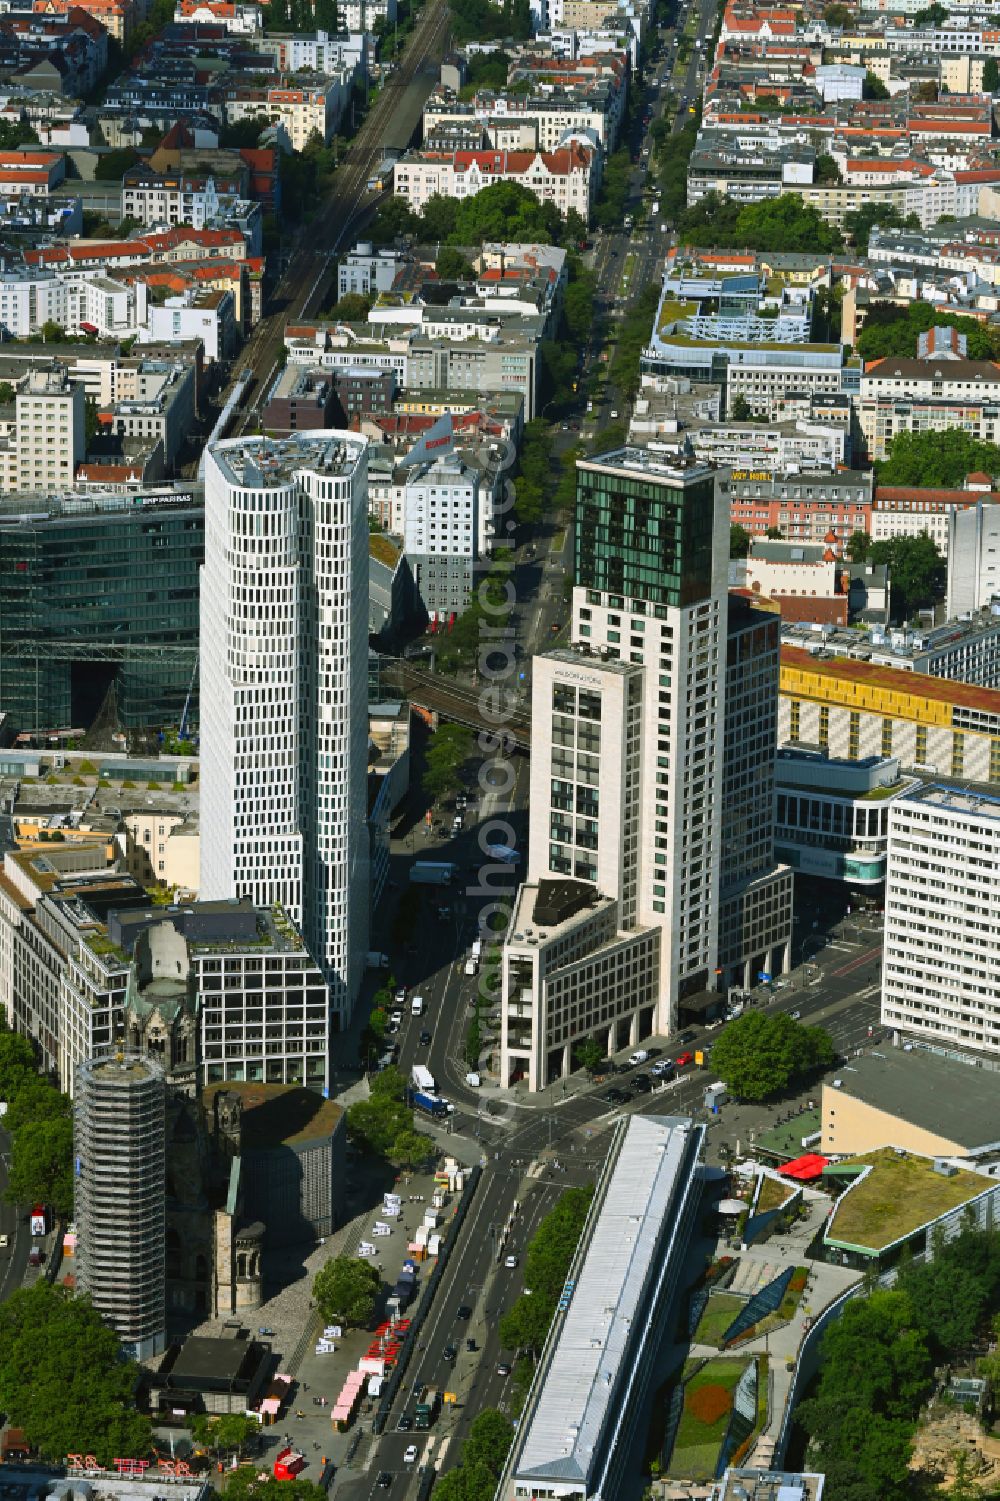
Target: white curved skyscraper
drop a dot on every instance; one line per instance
(284, 706)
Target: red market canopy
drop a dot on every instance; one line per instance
(805, 1168)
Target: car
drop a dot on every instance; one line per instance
(661, 1069)
(425, 1038)
(642, 1083)
(410, 1454)
(400, 996)
(653, 1052)
(264, 1329)
(503, 1369)
(464, 1312)
(795, 1015)
(384, 1480)
(470, 1345)
(510, 1262)
(683, 1059)
(4, 1242)
(616, 1097)
(614, 414)
(405, 1422)
(450, 1354)
(687, 1036)
(396, 1014)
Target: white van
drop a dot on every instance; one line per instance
(471, 966)
(472, 1079)
(416, 1005)
(366, 1248)
(379, 1228)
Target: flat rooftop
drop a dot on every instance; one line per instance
(770, 1485)
(954, 1100)
(898, 1196)
(955, 800)
(674, 468)
(916, 686)
(277, 1115)
(269, 462)
(563, 1434)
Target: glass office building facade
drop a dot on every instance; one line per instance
(644, 534)
(101, 574)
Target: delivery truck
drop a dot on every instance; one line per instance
(432, 873)
(430, 1104)
(423, 1078)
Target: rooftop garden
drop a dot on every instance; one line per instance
(900, 1194)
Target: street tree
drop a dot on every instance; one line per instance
(17, 1063)
(41, 1165)
(447, 753)
(63, 1379)
(551, 1250)
(345, 1290)
(35, 1100)
(589, 1055)
(489, 1441)
(526, 1323)
(758, 1055)
(225, 1433)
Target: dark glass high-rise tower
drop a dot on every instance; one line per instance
(104, 571)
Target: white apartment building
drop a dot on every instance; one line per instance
(447, 527)
(941, 951)
(566, 177)
(361, 15)
(973, 558)
(906, 511)
(48, 439)
(911, 395)
(284, 722)
(625, 794)
(305, 108)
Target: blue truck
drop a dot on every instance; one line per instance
(430, 1104)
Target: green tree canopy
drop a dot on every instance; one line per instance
(874, 88)
(452, 265)
(991, 75)
(941, 460)
(917, 571)
(18, 1064)
(41, 1165)
(352, 308)
(478, 20)
(447, 753)
(782, 223)
(345, 1290)
(859, 545)
(875, 1370)
(62, 1378)
(892, 330)
(112, 165)
(489, 1441)
(588, 1054)
(860, 224)
(759, 1054)
(739, 540)
(244, 1484)
(35, 1100)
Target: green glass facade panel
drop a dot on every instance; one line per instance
(643, 537)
